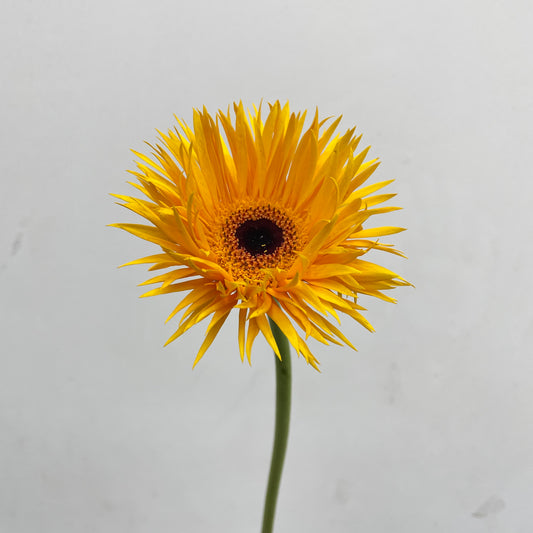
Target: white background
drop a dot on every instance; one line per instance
(428, 428)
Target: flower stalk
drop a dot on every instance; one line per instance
(281, 431)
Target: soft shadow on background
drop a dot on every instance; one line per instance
(427, 428)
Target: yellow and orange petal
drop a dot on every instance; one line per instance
(261, 216)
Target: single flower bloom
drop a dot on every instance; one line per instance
(261, 216)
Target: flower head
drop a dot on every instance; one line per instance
(256, 214)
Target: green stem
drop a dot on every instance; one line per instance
(281, 432)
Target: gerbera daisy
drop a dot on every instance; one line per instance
(258, 215)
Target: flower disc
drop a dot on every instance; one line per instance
(253, 238)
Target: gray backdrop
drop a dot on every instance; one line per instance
(426, 429)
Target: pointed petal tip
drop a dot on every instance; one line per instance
(314, 363)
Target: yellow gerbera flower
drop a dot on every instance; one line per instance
(253, 214)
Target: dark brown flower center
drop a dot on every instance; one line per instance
(259, 237)
(253, 238)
